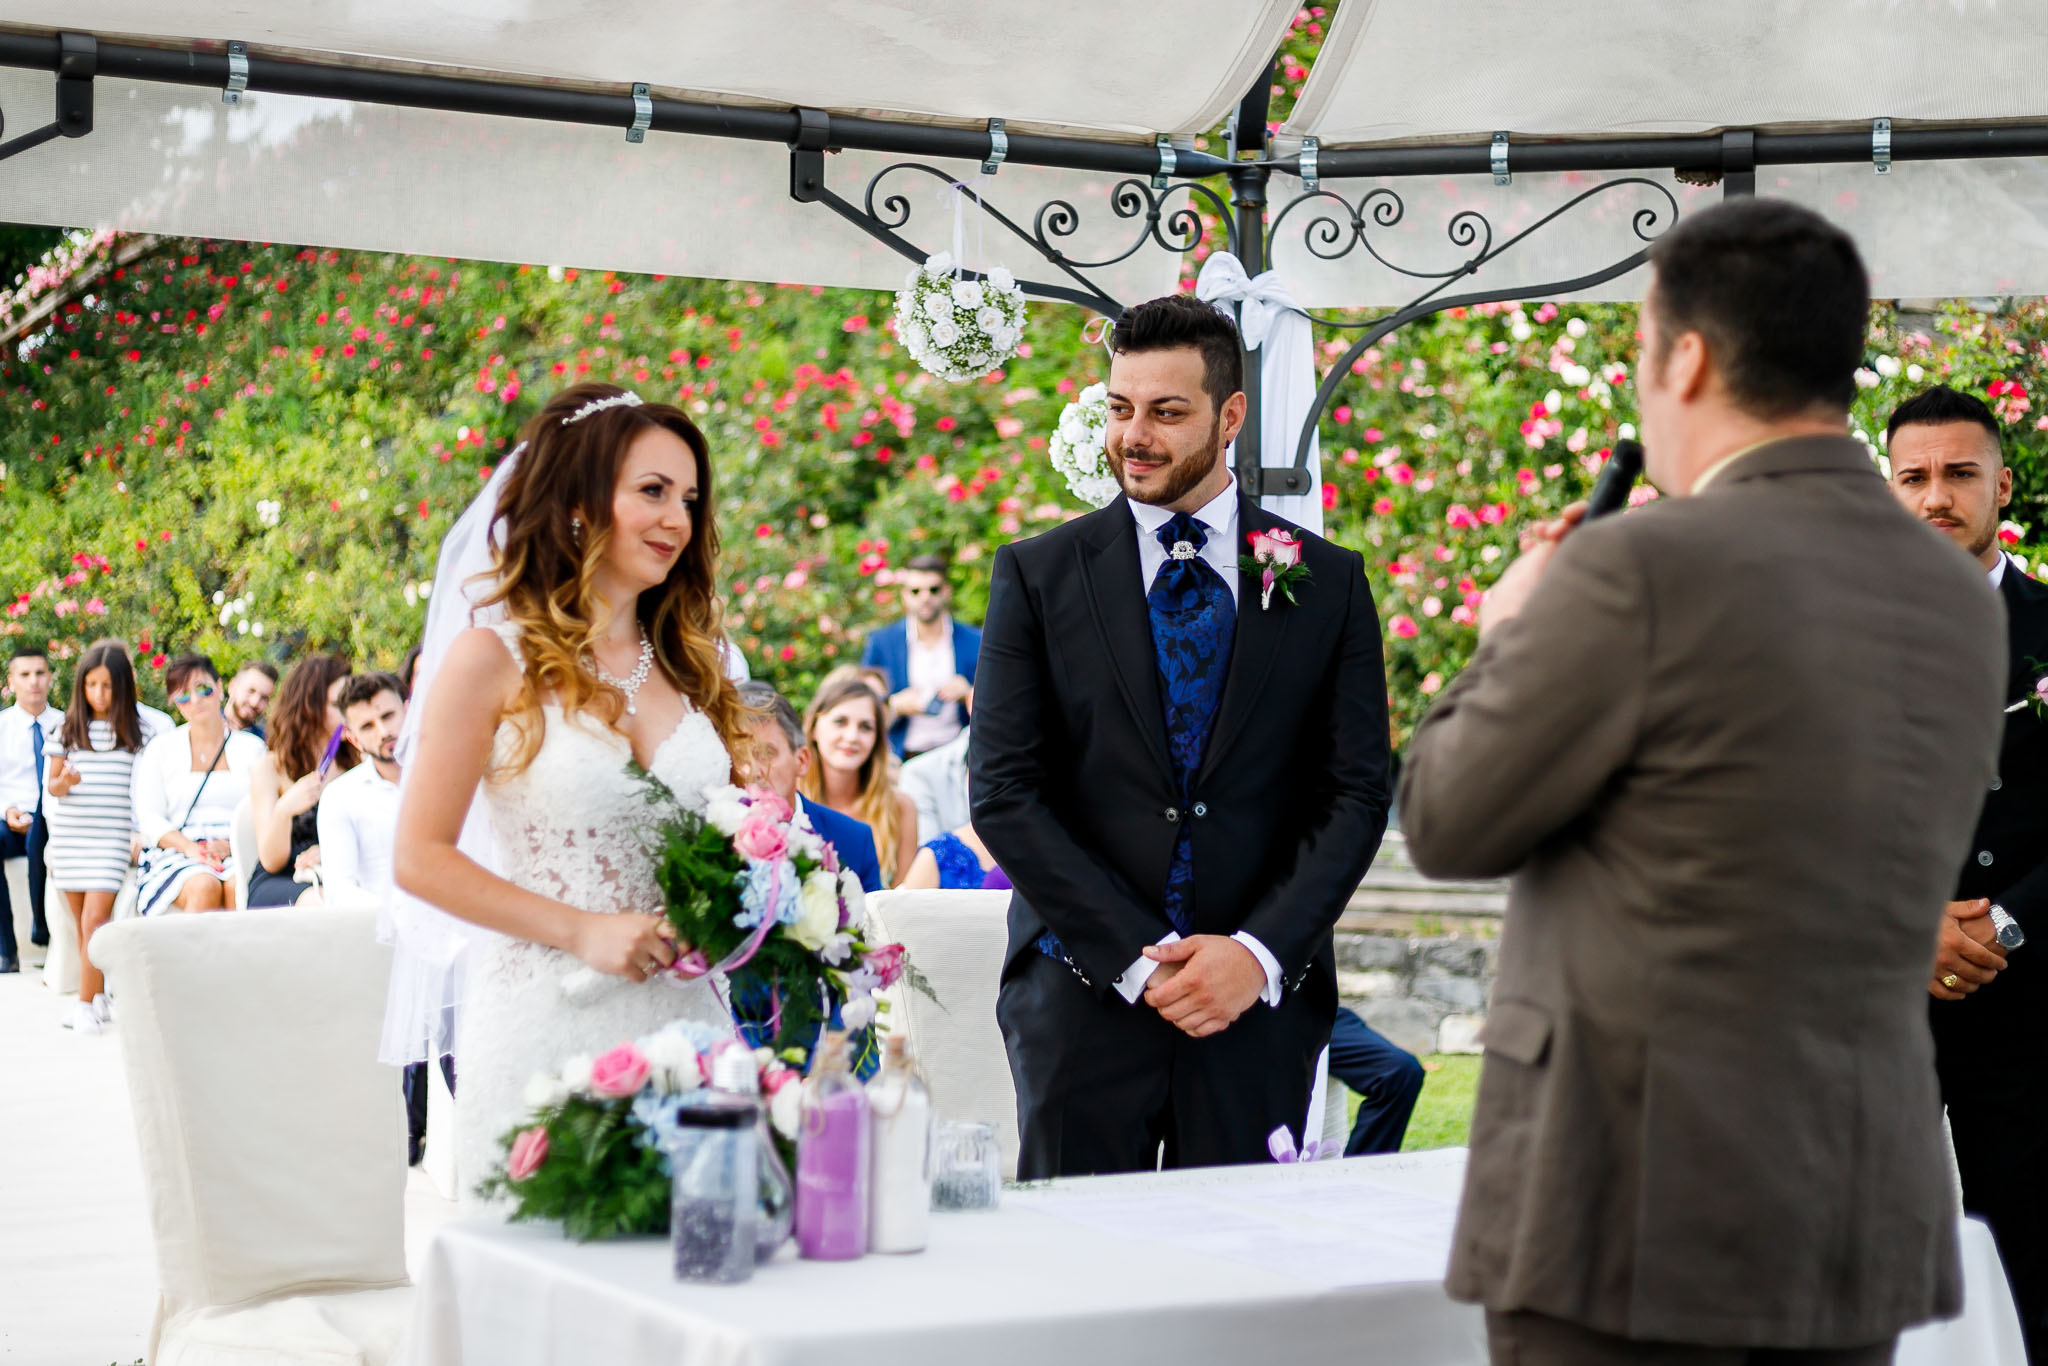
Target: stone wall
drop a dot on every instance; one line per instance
(1416, 957)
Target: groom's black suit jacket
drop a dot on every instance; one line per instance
(1070, 780)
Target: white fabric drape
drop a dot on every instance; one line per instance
(1274, 326)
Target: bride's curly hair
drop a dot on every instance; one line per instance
(547, 567)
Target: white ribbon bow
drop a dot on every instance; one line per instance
(1274, 325)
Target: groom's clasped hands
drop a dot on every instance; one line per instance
(1203, 983)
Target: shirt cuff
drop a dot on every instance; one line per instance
(1131, 985)
(1271, 995)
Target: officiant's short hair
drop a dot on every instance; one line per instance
(1177, 320)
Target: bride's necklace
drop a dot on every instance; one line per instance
(629, 685)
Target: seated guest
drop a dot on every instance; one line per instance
(187, 784)
(849, 772)
(782, 760)
(936, 783)
(1386, 1076)
(91, 810)
(356, 817)
(307, 746)
(249, 695)
(956, 860)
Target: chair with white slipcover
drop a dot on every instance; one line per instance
(242, 848)
(956, 940)
(271, 1138)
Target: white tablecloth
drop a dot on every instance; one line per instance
(1044, 1281)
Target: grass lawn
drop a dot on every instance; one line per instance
(1443, 1114)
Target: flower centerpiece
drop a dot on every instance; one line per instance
(594, 1152)
(957, 328)
(1076, 447)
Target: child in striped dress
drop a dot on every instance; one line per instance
(91, 810)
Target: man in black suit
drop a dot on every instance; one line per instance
(1183, 776)
(1990, 1013)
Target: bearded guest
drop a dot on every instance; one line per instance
(927, 660)
(1990, 1009)
(1706, 1131)
(1184, 783)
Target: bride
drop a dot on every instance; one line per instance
(609, 654)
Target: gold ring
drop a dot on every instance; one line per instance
(1951, 981)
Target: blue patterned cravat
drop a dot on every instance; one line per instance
(1194, 622)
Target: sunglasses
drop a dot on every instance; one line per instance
(920, 592)
(198, 694)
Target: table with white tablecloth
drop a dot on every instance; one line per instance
(1321, 1262)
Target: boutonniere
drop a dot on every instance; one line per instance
(2036, 697)
(1276, 559)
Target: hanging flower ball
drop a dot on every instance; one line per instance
(959, 329)
(1076, 447)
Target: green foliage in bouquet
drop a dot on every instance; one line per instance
(599, 1180)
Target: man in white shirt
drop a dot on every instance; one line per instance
(929, 658)
(358, 812)
(28, 730)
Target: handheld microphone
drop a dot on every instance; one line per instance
(1617, 476)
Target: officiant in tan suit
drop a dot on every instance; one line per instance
(1730, 746)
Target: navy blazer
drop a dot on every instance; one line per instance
(855, 841)
(888, 649)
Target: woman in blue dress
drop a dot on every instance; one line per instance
(955, 860)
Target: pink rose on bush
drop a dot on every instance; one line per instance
(1404, 626)
(886, 963)
(761, 838)
(619, 1073)
(529, 1150)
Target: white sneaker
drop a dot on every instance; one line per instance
(103, 1008)
(81, 1018)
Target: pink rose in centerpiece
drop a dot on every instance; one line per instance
(1282, 547)
(529, 1150)
(619, 1073)
(2041, 688)
(761, 837)
(886, 963)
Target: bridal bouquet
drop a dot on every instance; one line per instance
(594, 1154)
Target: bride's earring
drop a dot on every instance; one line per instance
(575, 526)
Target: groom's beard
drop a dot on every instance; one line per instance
(1183, 471)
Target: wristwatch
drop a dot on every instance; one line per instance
(2009, 932)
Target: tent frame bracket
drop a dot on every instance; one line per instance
(77, 64)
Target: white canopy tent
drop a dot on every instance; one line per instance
(497, 129)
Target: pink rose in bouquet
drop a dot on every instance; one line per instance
(619, 1073)
(886, 963)
(529, 1150)
(761, 836)
(766, 801)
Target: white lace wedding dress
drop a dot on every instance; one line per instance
(570, 826)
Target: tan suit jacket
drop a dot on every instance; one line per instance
(1731, 752)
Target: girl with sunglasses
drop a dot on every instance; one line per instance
(187, 784)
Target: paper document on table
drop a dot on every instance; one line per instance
(1326, 1233)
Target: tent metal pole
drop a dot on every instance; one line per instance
(1248, 204)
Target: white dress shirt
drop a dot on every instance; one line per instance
(1997, 571)
(18, 786)
(937, 782)
(930, 666)
(358, 823)
(1219, 517)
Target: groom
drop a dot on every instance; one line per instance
(1184, 784)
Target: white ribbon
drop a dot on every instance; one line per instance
(957, 191)
(1274, 325)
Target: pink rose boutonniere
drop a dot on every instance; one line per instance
(1276, 559)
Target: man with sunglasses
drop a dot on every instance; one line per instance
(929, 658)
(28, 730)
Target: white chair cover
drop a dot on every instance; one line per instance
(242, 844)
(956, 939)
(272, 1141)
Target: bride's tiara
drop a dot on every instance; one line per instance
(629, 399)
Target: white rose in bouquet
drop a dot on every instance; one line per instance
(576, 1074)
(938, 306)
(1001, 278)
(990, 319)
(785, 1110)
(726, 809)
(967, 293)
(544, 1092)
(856, 899)
(817, 911)
(944, 334)
(939, 264)
(673, 1060)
